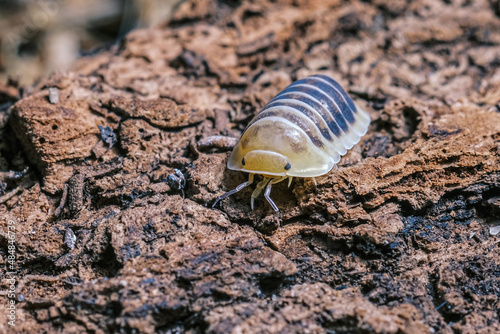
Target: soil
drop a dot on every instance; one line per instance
(115, 230)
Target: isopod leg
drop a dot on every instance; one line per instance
(290, 178)
(315, 183)
(267, 193)
(238, 188)
(261, 185)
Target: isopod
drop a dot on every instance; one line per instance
(302, 132)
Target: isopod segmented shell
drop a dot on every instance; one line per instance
(302, 132)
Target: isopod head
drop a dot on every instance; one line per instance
(277, 148)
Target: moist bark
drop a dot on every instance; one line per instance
(109, 173)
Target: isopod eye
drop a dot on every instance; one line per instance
(243, 161)
(288, 166)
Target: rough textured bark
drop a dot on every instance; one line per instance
(401, 238)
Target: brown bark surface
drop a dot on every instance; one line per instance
(401, 238)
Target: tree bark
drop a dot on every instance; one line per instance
(401, 238)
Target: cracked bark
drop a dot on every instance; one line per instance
(396, 240)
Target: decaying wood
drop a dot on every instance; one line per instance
(396, 240)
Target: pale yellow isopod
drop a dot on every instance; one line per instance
(302, 132)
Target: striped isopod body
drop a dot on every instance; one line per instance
(302, 132)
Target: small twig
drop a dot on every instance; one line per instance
(64, 196)
(12, 175)
(9, 195)
(40, 278)
(194, 148)
(443, 304)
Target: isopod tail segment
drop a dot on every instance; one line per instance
(266, 184)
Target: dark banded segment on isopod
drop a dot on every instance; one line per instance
(323, 110)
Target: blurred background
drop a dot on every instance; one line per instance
(41, 36)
